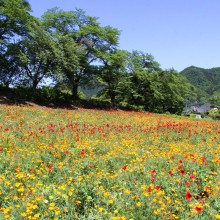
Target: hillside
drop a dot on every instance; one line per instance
(207, 81)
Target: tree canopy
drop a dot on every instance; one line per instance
(72, 50)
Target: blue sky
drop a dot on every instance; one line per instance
(178, 33)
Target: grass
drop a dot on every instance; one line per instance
(92, 164)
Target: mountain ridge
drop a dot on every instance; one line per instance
(206, 81)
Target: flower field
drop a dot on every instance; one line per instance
(93, 164)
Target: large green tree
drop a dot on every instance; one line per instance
(37, 51)
(171, 91)
(141, 66)
(14, 17)
(91, 41)
(154, 89)
(112, 74)
(14, 20)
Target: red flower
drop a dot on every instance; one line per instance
(50, 168)
(192, 177)
(198, 209)
(157, 187)
(170, 172)
(153, 178)
(66, 152)
(179, 167)
(149, 189)
(182, 171)
(82, 152)
(50, 126)
(188, 196)
(6, 129)
(1, 148)
(180, 161)
(186, 182)
(154, 172)
(31, 170)
(91, 165)
(124, 167)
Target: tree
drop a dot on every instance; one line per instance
(112, 75)
(68, 63)
(36, 54)
(14, 20)
(14, 17)
(154, 89)
(90, 38)
(9, 71)
(169, 92)
(141, 66)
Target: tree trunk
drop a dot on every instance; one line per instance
(34, 85)
(112, 97)
(75, 91)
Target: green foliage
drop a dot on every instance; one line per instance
(45, 95)
(215, 99)
(112, 75)
(73, 51)
(83, 42)
(36, 54)
(14, 18)
(214, 113)
(14, 22)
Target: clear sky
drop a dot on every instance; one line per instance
(178, 33)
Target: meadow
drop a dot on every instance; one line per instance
(93, 164)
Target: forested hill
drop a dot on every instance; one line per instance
(207, 81)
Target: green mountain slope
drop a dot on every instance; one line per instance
(207, 81)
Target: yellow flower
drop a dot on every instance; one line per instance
(146, 194)
(21, 189)
(110, 201)
(57, 211)
(100, 209)
(138, 204)
(39, 198)
(116, 211)
(17, 184)
(34, 206)
(79, 178)
(144, 187)
(127, 191)
(217, 216)
(52, 205)
(37, 215)
(39, 184)
(106, 194)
